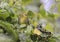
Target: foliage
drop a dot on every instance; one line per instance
(24, 25)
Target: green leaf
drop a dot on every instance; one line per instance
(1, 30)
(24, 2)
(51, 40)
(58, 5)
(11, 2)
(9, 28)
(57, 0)
(29, 29)
(42, 11)
(4, 15)
(51, 15)
(22, 25)
(30, 14)
(49, 27)
(56, 15)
